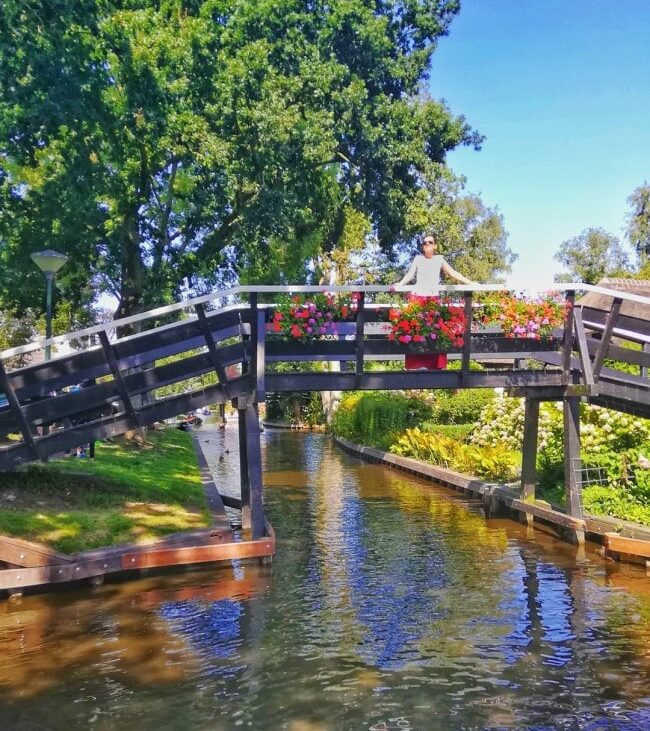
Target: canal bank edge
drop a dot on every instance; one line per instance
(621, 540)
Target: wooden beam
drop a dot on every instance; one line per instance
(258, 340)
(612, 319)
(119, 379)
(572, 461)
(529, 449)
(14, 405)
(583, 350)
(212, 348)
(244, 479)
(198, 554)
(622, 544)
(28, 554)
(567, 342)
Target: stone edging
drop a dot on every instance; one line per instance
(498, 498)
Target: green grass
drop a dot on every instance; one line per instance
(125, 494)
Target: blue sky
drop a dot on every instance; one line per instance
(561, 90)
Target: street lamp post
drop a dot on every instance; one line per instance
(49, 262)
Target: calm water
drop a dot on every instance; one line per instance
(390, 605)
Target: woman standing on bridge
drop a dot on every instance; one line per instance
(426, 269)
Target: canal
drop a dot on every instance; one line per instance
(391, 604)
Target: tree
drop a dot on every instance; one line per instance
(163, 145)
(590, 256)
(638, 222)
(471, 235)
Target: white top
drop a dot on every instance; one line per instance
(426, 273)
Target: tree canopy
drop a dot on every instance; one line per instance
(638, 223)
(592, 255)
(166, 145)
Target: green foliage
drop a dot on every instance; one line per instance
(376, 419)
(296, 408)
(459, 432)
(638, 222)
(490, 463)
(460, 407)
(592, 255)
(174, 145)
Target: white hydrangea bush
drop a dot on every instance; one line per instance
(601, 430)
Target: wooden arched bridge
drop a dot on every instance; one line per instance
(122, 364)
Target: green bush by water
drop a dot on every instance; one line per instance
(376, 419)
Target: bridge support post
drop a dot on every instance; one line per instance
(572, 462)
(529, 449)
(250, 462)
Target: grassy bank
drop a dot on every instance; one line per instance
(127, 493)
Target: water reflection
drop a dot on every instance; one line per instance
(391, 604)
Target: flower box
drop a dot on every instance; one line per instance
(307, 319)
(428, 361)
(427, 324)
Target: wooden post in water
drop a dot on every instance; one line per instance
(250, 470)
(240, 404)
(529, 449)
(572, 462)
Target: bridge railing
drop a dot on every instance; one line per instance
(231, 341)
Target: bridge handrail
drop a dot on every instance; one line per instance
(299, 289)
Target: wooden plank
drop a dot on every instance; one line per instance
(529, 449)
(122, 390)
(198, 554)
(623, 544)
(14, 405)
(131, 352)
(26, 553)
(544, 513)
(612, 319)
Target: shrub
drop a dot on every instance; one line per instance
(376, 419)
(459, 432)
(461, 407)
(491, 463)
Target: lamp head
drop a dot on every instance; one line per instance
(49, 261)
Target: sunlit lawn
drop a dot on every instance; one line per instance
(125, 494)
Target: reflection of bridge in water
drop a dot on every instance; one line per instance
(124, 362)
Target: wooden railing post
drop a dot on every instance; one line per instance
(360, 341)
(567, 341)
(467, 337)
(583, 350)
(257, 355)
